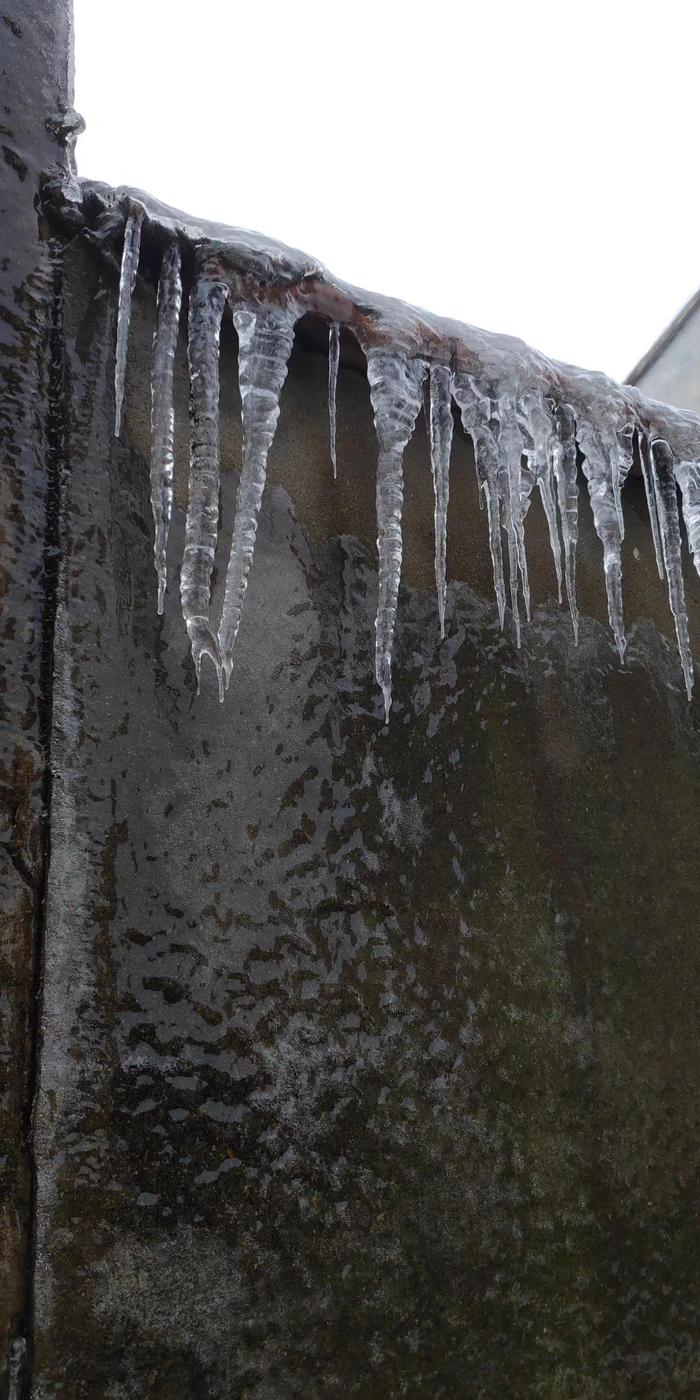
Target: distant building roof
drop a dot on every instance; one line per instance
(670, 369)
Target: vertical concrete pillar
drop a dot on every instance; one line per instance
(37, 131)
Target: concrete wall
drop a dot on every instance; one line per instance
(369, 1056)
(337, 1059)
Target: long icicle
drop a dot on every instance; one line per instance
(510, 445)
(395, 389)
(333, 362)
(265, 339)
(622, 466)
(207, 301)
(476, 413)
(647, 474)
(565, 475)
(441, 428)
(127, 282)
(667, 505)
(162, 413)
(541, 428)
(600, 453)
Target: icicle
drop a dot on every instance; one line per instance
(600, 451)
(510, 446)
(622, 464)
(565, 475)
(523, 414)
(265, 339)
(541, 428)
(476, 414)
(162, 414)
(441, 427)
(688, 478)
(493, 512)
(395, 388)
(207, 301)
(667, 506)
(127, 281)
(333, 361)
(645, 460)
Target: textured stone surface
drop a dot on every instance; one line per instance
(369, 1056)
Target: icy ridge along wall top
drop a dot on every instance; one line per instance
(530, 418)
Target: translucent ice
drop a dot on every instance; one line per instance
(600, 450)
(531, 420)
(688, 477)
(440, 447)
(162, 414)
(542, 434)
(127, 281)
(667, 506)
(475, 410)
(265, 338)
(207, 301)
(565, 475)
(650, 491)
(395, 385)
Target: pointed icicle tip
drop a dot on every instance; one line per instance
(386, 692)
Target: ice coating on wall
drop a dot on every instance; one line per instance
(533, 423)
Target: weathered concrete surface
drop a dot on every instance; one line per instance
(35, 78)
(369, 1056)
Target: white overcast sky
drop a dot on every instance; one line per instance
(531, 168)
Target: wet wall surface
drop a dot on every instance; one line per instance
(369, 1056)
(35, 86)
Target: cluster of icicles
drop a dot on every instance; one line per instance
(526, 435)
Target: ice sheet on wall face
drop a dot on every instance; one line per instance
(532, 422)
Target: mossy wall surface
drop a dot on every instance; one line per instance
(369, 1056)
